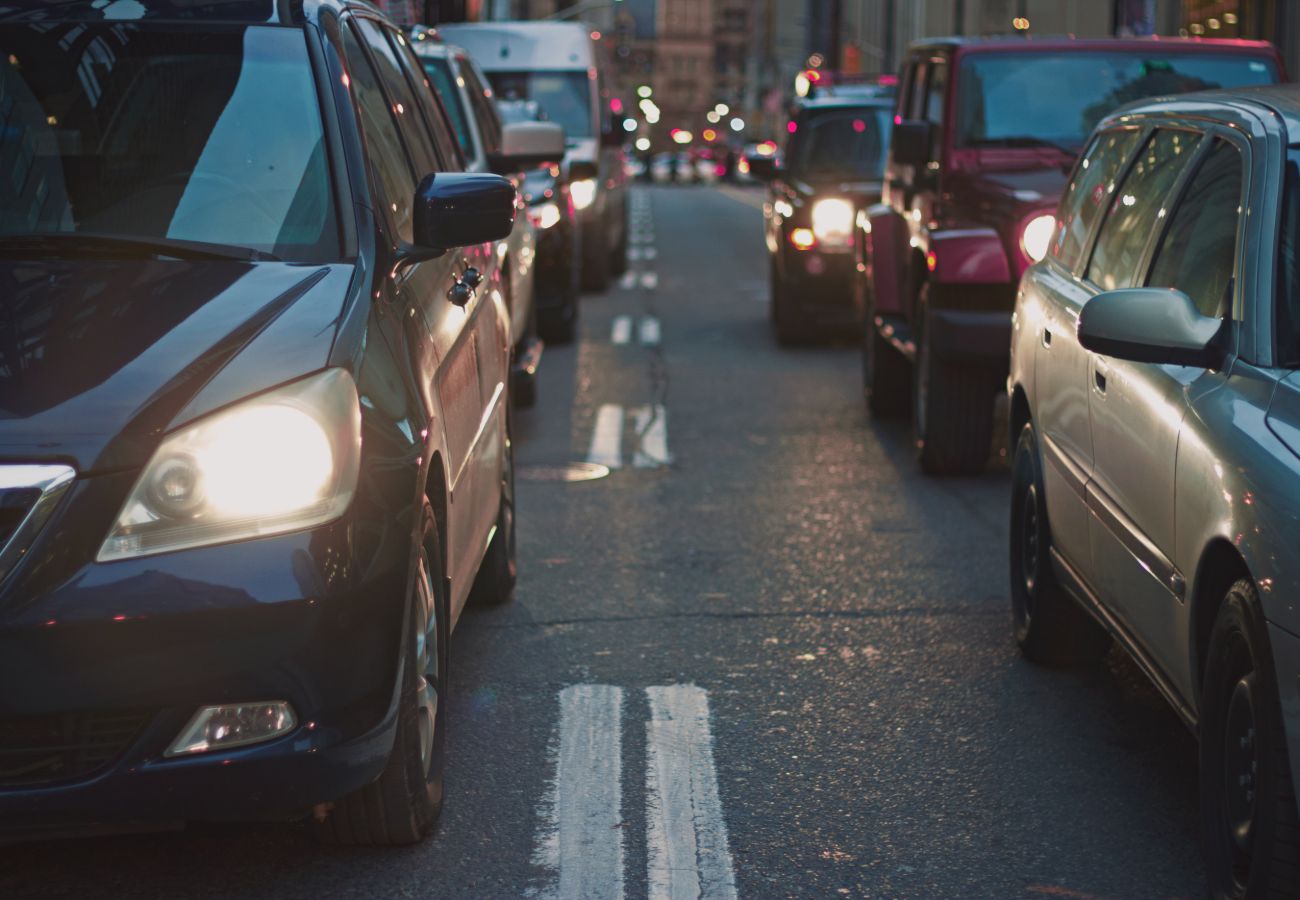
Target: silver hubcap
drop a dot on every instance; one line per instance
(426, 661)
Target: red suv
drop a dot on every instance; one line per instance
(986, 132)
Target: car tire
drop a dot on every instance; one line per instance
(790, 329)
(596, 264)
(952, 408)
(886, 378)
(523, 389)
(495, 583)
(402, 806)
(1049, 626)
(1249, 828)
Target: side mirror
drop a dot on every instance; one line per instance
(910, 143)
(583, 170)
(1150, 325)
(461, 209)
(527, 145)
(763, 168)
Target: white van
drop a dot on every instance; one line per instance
(555, 65)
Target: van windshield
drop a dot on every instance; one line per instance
(1033, 99)
(561, 97)
(141, 132)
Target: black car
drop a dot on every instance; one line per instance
(252, 341)
(833, 165)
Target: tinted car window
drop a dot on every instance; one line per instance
(387, 157)
(480, 97)
(564, 97)
(1288, 305)
(935, 91)
(449, 150)
(1135, 207)
(439, 71)
(1198, 252)
(145, 131)
(406, 109)
(1023, 98)
(1089, 192)
(852, 142)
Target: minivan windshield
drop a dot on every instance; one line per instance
(1055, 99)
(129, 136)
(562, 97)
(849, 143)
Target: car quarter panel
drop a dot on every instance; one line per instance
(886, 243)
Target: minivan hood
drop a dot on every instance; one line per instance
(98, 357)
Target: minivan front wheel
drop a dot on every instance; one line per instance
(402, 806)
(1248, 808)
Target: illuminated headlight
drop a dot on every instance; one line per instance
(283, 461)
(583, 192)
(233, 725)
(832, 222)
(545, 215)
(1037, 236)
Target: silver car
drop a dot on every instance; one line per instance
(1155, 415)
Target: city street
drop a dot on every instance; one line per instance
(763, 657)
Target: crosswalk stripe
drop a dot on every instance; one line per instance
(648, 332)
(621, 332)
(581, 845)
(607, 438)
(651, 423)
(688, 855)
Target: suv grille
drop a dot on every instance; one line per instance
(36, 750)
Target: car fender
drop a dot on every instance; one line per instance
(966, 256)
(885, 244)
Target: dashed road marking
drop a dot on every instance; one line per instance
(607, 438)
(651, 423)
(642, 237)
(581, 842)
(688, 853)
(635, 254)
(648, 332)
(650, 253)
(628, 281)
(649, 280)
(621, 332)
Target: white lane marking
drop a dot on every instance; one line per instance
(649, 280)
(607, 438)
(621, 332)
(628, 281)
(651, 253)
(688, 855)
(651, 423)
(635, 254)
(581, 843)
(642, 237)
(648, 332)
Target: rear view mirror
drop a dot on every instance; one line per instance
(461, 209)
(528, 145)
(1150, 325)
(762, 167)
(910, 143)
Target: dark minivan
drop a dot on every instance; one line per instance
(252, 345)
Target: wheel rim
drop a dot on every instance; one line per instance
(1029, 540)
(426, 656)
(1240, 770)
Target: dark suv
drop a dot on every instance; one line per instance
(252, 342)
(832, 167)
(986, 132)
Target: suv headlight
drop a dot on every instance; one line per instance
(832, 223)
(1036, 236)
(282, 461)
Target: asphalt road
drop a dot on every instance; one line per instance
(764, 657)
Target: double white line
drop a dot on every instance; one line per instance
(651, 427)
(581, 843)
(647, 331)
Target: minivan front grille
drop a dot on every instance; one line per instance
(36, 750)
(28, 497)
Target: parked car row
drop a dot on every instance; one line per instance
(1141, 294)
(272, 282)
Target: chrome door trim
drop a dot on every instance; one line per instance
(1075, 477)
(52, 482)
(1135, 541)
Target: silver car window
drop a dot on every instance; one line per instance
(1089, 192)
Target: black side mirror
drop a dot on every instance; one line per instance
(461, 209)
(1151, 325)
(763, 168)
(910, 143)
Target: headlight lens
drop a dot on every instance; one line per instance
(583, 192)
(545, 215)
(280, 462)
(1037, 236)
(832, 222)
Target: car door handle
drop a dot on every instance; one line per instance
(473, 277)
(1099, 379)
(460, 293)
(1047, 338)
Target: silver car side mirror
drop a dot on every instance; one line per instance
(1151, 325)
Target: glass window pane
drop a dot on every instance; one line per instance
(1198, 252)
(440, 75)
(1090, 192)
(406, 110)
(450, 157)
(1135, 208)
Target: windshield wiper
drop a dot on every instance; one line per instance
(77, 243)
(1025, 140)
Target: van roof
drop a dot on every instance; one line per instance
(524, 46)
